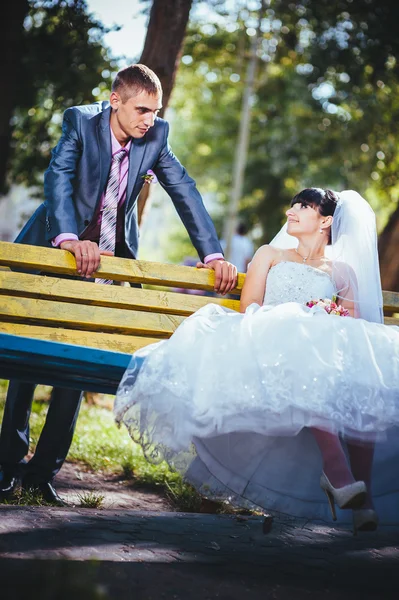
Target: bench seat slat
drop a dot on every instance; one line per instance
(87, 318)
(103, 341)
(391, 301)
(83, 292)
(54, 260)
(391, 321)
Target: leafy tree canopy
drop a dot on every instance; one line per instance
(324, 111)
(64, 63)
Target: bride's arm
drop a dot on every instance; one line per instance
(255, 281)
(347, 289)
(348, 302)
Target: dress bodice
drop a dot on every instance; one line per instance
(297, 282)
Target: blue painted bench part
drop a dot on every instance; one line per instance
(64, 365)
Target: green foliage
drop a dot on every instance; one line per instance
(353, 49)
(324, 111)
(206, 103)
(63, 64)
(179, 246)
(183, 496)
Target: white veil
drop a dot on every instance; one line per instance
(354, 255)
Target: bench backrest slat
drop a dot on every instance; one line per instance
(80, 316)
(82, 292)
(49, 260)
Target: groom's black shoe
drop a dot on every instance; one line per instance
(8, 484)
(44, 489)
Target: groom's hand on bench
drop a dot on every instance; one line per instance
(87, 254)
(225, 275)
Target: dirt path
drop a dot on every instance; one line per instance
(74, 481)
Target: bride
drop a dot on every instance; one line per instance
(284, 402)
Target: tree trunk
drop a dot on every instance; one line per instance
(388, 247)
(11, 31)
(241, 153)
(164, 41)
(162, 50)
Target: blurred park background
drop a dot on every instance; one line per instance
(264, 97)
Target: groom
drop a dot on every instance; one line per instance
(91, 185)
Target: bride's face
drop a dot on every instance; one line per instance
(303, 219)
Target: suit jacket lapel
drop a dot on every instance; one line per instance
(104, 144)
(136, 155)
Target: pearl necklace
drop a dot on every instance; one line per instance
(305, 258)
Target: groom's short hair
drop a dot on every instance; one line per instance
(136, 79)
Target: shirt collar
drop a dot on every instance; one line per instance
(116, 147)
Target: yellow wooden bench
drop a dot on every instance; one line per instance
(77, 314)
(38, 308)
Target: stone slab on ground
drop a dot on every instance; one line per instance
(150, 555)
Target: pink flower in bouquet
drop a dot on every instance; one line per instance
(330, 306)
(150, 177)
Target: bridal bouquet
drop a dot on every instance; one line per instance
(330, 306)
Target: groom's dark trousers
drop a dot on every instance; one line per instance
(55, 438)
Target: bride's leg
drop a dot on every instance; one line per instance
(361, 455)
(335, 465)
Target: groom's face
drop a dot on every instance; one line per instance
(135, 116)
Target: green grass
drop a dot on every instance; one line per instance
(101, 446)
(23, 497)
(91, 500)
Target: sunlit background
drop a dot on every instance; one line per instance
(323, 107)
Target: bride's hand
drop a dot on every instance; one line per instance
(225, 275)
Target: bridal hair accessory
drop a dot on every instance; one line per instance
(330, 306)
(150, 177)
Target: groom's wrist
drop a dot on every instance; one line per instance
(210, 257)
(63, 237)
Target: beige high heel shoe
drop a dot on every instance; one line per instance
(348, 496)
(364, 519)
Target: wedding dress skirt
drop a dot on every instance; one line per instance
(230, 398)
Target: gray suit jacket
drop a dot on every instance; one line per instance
(78, 173)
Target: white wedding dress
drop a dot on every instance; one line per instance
(229, 399)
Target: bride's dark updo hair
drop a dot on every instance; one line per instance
(325, 201)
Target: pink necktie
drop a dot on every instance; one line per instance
(110, 209)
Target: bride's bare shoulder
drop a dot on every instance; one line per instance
(263, 259)
(267, 252)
